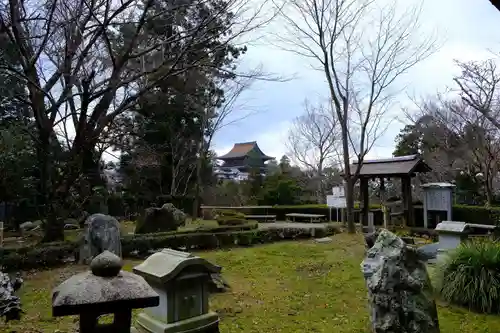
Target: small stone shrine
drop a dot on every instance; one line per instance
(438, 197)
(399, 288)
(106, 289)
(101, 233)
(182, 281)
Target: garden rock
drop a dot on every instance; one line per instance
(399, 288)
(218, 284)
(27, 226)
(323, 240)
(166, 218)
(101, 233)
(10, 305)
(37, 223)
(429, 250)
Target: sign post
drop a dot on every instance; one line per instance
(336, 200)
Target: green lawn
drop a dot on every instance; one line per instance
(282, 287)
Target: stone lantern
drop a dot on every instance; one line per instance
(182, 281)
(106, 289)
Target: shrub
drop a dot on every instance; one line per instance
(230, 221)
(230, 213)
(145, 243)
(40, 256)
(55, 254)
(470, 276)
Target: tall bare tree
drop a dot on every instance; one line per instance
(479, 85)
(314, 141)
(476, 145)
(362, 48)
(225, 110)
(86, 62)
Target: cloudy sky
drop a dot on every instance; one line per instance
(469, 30)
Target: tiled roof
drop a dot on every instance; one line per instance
(397, 166)
(243, 149)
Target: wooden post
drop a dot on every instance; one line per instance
(407, 201)
(365, 202)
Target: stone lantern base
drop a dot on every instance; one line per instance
(206, 323)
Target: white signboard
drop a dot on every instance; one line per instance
(338, 192)
(335, 202)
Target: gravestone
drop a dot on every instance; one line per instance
(101, 233)
(105, 289)
(182, 280)
(399, 288)
(166, 218)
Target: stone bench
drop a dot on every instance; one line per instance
(311, 217)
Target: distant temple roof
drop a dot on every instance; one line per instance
(396, 166)
(244, 149)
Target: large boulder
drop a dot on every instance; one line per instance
(27, 226)
(10, 305)
(399, 288)
(166, 218)
(101, 233)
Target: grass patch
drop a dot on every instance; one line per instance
(283, 287)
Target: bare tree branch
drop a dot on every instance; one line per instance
(362, 49)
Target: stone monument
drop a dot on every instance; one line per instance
(101, 233)
(166, 218)
(106, 289)
(399, 288)
(182, 281)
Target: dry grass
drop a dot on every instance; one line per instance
(283, 287)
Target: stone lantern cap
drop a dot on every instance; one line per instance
(453, 227)
(166, 265)
(104, 289)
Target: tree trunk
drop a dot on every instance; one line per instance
(197, 184)
(321, 190)
(351, 226)
(53, 229)
(489, 192)
(44, 175)
(349, 179)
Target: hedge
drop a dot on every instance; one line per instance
(55, 254)
(248, 225)
(470, 214)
